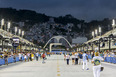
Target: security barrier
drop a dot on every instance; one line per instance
(10, 60)
(106, 59)
(110, 59)
(2, 61)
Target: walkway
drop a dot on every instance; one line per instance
(55, 66)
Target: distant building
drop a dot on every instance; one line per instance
(51, 20)
(79, 40)
(21, 24)
(70, 25)
(79, 26)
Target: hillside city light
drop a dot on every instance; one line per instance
(2, 23)
(93, 34)
(96, 32)
(113, 23)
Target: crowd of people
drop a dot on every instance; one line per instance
(82, 58)
(27, 56)
(78, 58)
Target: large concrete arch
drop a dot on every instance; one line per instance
(58, 38)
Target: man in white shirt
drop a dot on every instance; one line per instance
(97, 64)
(67, 59)
(85, 61)
(76, 58)
(20, 57)
(37, 54)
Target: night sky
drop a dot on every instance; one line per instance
(81, 9)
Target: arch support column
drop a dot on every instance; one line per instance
(50, 48)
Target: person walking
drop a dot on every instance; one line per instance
(6, 58)
(14, 57)
(76, 58)
(92, 54)
(25, 57)
(85, 61)
(39, 55)
(32, 56)
(97, 64)
(43, 56)
(36, 54)
(28, 56)
(67, 58)
(73, 59)
(20, 56)
(80, 58)
(64, 57)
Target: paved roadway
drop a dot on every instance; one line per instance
(55, 66)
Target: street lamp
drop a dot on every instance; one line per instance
(8, 26)
(19, 32)
(15, 30)
(113, 23)
(100, 31)
(93, 34)
(2, 23)
(23, 33)
(96, 32)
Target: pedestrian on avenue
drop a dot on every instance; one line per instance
(80, 58)
(97, 64)
(32, 56)
(73, 59)
(14, 57)
(92, 54)
(64, 57)
(85, 61)
(6, 58)
(36, 54)
(20, 56)
(28, 56)
(25, 57)
(67, 58)
(43, 56)
(39, 55)
(76, 58)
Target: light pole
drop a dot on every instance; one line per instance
(100, 31)
(96, 32)
(23, 33)
(19, 32)
(8, 26)
(113, 23)
(15, 30)
(2, 23)
(93, 34)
